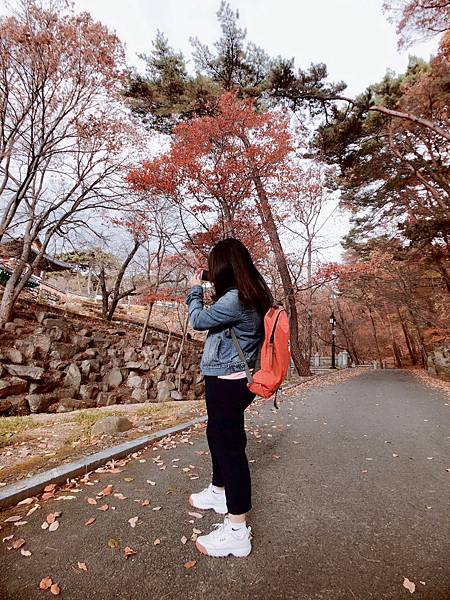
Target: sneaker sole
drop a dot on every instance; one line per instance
(208, 508)
(237, 553)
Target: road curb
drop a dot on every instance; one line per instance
(14, 493)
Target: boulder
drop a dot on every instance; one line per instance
(38, 403)
(63, 351)
(14, 356)
(12, 387)
(5, 406)
(176, 395)
(73, 377)
(111, 425)
(106, 399)
(164, 389)
(130, 355)
(139, 395)
(88, 391)
(134, 381)
(113, 378)
(137, 366)
(26, 372)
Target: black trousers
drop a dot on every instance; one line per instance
(226, 401)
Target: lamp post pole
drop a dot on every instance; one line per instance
(333, 340)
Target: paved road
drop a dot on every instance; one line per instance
(336, 516)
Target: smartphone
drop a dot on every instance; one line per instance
(204, 276)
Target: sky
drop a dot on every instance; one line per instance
(352, 37)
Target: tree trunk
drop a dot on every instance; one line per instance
(145, 327)
(265, 213)
(411, 350)
(374, 329)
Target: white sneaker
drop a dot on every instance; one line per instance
(224, 541)
(207, 498)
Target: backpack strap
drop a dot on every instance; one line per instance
(241, 354)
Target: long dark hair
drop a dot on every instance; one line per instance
(230, 265)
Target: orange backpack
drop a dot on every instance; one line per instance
(274, 355)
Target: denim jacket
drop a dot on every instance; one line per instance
(220, 356)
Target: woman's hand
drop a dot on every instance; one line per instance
(195, 279)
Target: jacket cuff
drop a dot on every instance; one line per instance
(196, 291)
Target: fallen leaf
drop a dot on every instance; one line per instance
(112, 543)
(183, 539)
(129, 552)
(26, 501)
(82, 566)
(90, 521)
(55, 589)
(9, 537)
(409, 585)
(104, 507)
(12, 519)
(190, 564)
(107, 490)
(156, 542)
(422, 582)
(120, 496)
(54, 526)
(146, 502)
(197, 531)
(18, 543)
(128, 479)
(133, 521)
(45, 583)
(19, 523)
(157, 508)
(33, 509)
(154, 483)
(24, 552)
(50, 488)
(196, 514)
(44, 525)
(91, 501)
(50, 518)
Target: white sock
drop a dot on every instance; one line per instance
(238, 526)
(218, 490)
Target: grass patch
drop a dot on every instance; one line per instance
(86, 418)
(10, 426)
(153, 409)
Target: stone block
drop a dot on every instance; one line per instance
(12, 386)
(111, 425)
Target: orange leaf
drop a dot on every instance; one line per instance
(90, 521)
(18, 543)
(104, 507)
(156, 542)
(50, 518)
(129, 551)
(55, 589)
(82, 566)
(91, 501)
(190, 564)
(107, 490)
(45, 583)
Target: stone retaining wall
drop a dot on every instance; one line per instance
(439, 361)
(50, 363)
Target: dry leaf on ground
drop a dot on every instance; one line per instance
(190, 564)
(129, 551)
(90, 521)
(409, 585)
(82, 566)
(133, 521)
(45, 583)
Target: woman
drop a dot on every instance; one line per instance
(241, 299)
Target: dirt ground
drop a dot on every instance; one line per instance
(43, 441)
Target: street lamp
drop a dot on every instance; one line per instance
(333, 340)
